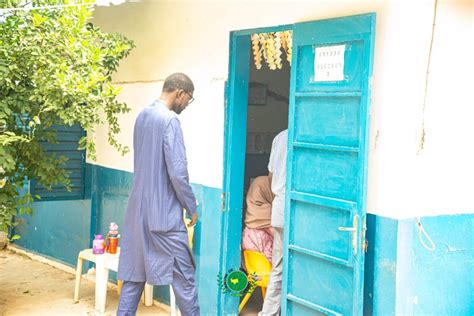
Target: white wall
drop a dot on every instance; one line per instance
(444, 172)
(201, 121)
(192, 36)
(137, 96)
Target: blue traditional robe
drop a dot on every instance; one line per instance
(154, 237)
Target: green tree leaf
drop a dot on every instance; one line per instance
(55, 69)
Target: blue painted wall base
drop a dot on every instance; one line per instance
(57, 229)
(60, 229)
(401, 277)
(404, 278)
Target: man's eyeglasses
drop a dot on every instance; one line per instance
(191, 99)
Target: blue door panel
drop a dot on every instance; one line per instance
(335, 173)
(74, 183)
(299, 309)
(67, 138)
(71, 135)
(327, 169)
(326, 283)
(75, 162)
(324, 120)
(234, 161)
(353, 64)
(66, 147)
(69, 129)
(75, 193)
(319, 233)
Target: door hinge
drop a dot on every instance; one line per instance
(365, 245)
(223, 201)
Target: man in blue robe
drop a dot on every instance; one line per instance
(155, 247)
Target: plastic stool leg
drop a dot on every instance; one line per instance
(78, 278)
(172, 302)
(244, 301)
(148, 294)
(101, 278)
(119, 286)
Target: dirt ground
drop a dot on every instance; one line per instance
(29, 287)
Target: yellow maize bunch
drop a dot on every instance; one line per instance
(277, 40)
(257, 54)
(262, 40)
(289, 44)
(270, 47)
(282, 36)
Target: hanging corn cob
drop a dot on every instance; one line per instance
(270, 45)
(289, 44)
(282, 36)
(277, 41)
(262, 41)
(257, 53)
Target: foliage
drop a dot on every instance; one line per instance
(55, 69)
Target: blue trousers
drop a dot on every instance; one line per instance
(184, 290)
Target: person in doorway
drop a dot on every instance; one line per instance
(155, 247)
(277, 173)
(258, 232)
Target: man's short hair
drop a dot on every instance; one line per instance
(178, 81)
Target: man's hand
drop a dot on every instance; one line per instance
(194, 220)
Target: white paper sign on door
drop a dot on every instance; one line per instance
(329, 63)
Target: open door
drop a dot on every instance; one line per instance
(327, 166)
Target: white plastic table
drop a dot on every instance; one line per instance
(103, 263)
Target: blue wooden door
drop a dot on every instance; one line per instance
(327, 166)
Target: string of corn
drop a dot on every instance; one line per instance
(277, 41)
(289, 44)
(271, 50)
(262, 40)
(257, 53)
(270, 46)
(282, 36)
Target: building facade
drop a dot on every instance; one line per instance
(420, 215)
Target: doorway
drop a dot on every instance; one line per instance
(267, 115)
(257, 110)
(326, 187)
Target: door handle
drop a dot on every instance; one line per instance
(352, 230)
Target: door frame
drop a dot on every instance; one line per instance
(235, 130)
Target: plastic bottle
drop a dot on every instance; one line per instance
(112, 238)
(98, 245)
